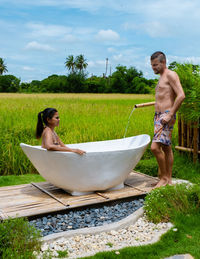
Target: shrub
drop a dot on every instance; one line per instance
(189, 75)
(18, 239)
(164, 203)
(9, 84)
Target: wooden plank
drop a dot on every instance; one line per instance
(102, 195)
(26, 200)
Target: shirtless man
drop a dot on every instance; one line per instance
(168, 98)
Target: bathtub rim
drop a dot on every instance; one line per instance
(92, 152)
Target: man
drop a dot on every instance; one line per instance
(168, 98)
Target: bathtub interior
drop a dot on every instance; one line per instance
(111, 145)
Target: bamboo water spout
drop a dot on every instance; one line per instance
(137, 106)
(140, 105)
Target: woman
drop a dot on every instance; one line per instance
(47, 121)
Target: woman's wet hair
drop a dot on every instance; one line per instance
(48, 113)
(159, 55)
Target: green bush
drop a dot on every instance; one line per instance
(164, 203)
(189, 75)
(9, 84)
(18, 239)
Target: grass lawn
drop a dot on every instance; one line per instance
(20, 179)
(185, 240)
(94, 117)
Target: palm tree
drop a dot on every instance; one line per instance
(3, 67)
(70, 63)
(81, 63)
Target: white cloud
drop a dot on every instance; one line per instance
(156, 29)
(48, 30)
(96, 63)
(111, 50)
(153, 29)
(164, 18)
(190, 59)
(91, 64)
(101, 62)
(117, 57)
(34, 45)
(27, 68)
(69, 38)
(107, 35)
(86, 5)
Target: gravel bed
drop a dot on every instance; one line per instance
(89, 217)
(140, 233)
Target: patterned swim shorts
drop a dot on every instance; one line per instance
(163, 132)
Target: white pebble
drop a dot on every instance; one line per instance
(141, 233)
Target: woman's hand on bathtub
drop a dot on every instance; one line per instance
(78, 151)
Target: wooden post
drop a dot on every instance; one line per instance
(179, 129)
(189, 137)
(195, 141)
(182, 132)
(188, 133)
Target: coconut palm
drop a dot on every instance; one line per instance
(3, 67)
(81, 63)
(70, 63)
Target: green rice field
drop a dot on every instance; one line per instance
(84, 117)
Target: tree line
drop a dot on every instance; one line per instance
(122, 80)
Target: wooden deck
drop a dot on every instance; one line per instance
(27, 200)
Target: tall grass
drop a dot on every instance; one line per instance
(84, 117)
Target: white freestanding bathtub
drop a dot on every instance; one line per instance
(105, 165)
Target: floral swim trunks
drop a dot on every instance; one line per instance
(163, 132)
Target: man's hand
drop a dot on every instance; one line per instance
(166, 119)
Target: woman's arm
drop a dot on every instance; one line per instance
(75, 150)
(49, 145)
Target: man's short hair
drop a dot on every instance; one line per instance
(159, 55)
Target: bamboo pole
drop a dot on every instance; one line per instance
(186, 149)
(195, 141)
(191, 135)
(182, 132)
(140, 105)
(179, 129)
(50, 194)
(188, 134)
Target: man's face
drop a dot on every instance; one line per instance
(157, 65)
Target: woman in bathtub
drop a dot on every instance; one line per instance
(47, 121)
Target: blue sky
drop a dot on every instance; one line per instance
(37, 36)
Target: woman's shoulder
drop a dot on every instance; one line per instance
(46, 131)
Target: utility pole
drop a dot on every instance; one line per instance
(106, 66)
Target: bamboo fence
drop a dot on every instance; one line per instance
(189, 137)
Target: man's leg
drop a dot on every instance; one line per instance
(156, 148)
(169, 159)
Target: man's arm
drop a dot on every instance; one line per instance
(180, 95)
(177, 87)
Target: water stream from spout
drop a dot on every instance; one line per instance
(128, 121)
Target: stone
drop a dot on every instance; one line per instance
(181, 256)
